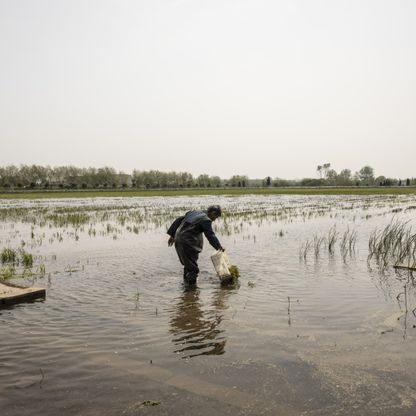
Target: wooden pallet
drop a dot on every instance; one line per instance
(405, 266)
(11, 294)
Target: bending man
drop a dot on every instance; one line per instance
(186, 233)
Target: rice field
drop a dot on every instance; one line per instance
(320, 321)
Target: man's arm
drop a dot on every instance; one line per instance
(172, 230)
(210, 235)
(174, 226)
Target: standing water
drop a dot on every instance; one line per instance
(314, 326)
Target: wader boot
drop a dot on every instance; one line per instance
(189, 259)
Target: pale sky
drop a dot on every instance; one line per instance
(255, 87)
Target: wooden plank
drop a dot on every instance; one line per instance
(11, 294)
(404, 266)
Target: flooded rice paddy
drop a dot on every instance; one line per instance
(315, 325)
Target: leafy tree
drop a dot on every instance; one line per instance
(236, 179)
(319, 169)
(277, 182)
(380, 180)
(310, 182)
(326, 167)
(203, 180)
(366, 175)
(331, 177)
(345, 178)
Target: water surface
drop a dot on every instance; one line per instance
(317, 334)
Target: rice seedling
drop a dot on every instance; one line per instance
(137, 299)
(395, 243)
(234, 272)
(7, 272)
(41, 270)
(317, 243)
(27, 259)
(347, 243)
(304, 249)
(71, 269)
(9, 255)
(332, 239)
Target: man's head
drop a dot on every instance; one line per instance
(214, 211)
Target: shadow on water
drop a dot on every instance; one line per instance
(196, 327)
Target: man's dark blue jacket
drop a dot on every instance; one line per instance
(188, 230)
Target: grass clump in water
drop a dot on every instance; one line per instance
(27, 259)
(16, 257)
(8, 255)
(396, 243)
(234, 272)
(7, 272)
(232, 277)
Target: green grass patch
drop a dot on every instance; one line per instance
(8, 255)
(210, 191)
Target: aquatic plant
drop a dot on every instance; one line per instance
(70, 269)
(304, 249)
(7, 272)
(332, 239)
(41, 270)
(234, 272)
(8, 255)
(395, 243)
(348, 242)
(27, 259)
(317, 243)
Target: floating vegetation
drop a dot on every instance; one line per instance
(136, 408)
(151, 403)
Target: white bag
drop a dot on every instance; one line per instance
(222, 265)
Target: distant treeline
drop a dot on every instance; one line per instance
(70, 177)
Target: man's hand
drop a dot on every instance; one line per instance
(171, 241)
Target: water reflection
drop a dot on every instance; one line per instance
(195, 326)
(401, 288)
